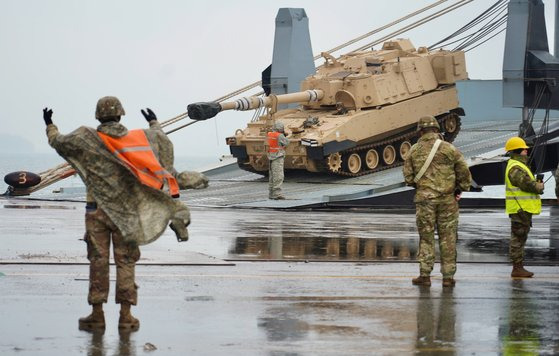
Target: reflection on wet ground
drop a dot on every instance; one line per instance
(126, 344)
(373, 236)
(349, 235)
(371, 249)
(531, 322)
(436, 322)
(519, 320)
(316, 248)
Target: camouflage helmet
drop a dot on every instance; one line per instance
(278, 126)
(108, 106)
(428, 122)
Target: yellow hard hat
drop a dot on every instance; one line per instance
(515, 143)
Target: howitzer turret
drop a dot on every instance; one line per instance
(358, 113)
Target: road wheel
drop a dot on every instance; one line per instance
(353, 163)
(389, 154)
(404, 149)
(372, 159)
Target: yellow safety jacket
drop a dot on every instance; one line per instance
(516, 198)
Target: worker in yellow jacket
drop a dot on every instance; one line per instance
(522, 201)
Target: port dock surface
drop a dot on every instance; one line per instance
(257, 281)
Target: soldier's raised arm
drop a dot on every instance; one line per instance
(52, 130)
(57, 140)
(151, 118)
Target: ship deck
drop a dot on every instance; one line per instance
(233, 187)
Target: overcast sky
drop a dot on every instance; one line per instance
(166, 54)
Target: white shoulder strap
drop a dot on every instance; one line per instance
(428, 161)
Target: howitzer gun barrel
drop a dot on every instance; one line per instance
(207, 110)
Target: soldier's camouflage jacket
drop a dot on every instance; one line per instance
(140, 212)
(448, 170)
(519, 178)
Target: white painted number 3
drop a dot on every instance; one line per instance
(22, 178)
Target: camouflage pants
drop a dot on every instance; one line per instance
(99, 233)
(275, 177)
(520, 227)
(443, 216)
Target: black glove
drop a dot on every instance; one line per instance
(47, 116)
(149, 115)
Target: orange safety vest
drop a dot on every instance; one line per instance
(273, 142)
(135, 151)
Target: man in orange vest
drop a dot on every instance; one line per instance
(277, 142)
(130, 189)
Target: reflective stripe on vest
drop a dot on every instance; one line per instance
(273, 142)
(135, 151)
(516, 198)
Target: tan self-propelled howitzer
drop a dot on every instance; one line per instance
(358, 113)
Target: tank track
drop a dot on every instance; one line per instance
(411, 136)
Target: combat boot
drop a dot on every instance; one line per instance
(422, 281)
(126, 320)
(448, 282)
(95, 320)
(519, 271)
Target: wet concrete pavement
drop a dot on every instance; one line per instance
(216, 294)
(286, 308)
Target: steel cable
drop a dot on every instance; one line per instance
(496, 8)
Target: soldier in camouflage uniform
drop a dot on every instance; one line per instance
(276, 155)
(119, 207)
(522, 201)
(438, 190)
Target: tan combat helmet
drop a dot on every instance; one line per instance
(427, 122)
(108, 106)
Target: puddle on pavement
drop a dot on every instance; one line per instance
(316, 248)
(240, 234)
(382, 249)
